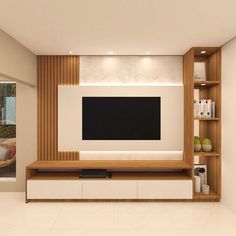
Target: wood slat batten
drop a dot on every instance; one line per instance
(53, 71)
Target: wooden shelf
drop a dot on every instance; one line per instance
(207, 127)
(207, 154)
(122, 164)
(205, 83)
(212, 196)
(116, 175)
(207, 119)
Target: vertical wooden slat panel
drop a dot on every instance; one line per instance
(53, 71)
(45, 87)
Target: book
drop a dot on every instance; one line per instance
(213, 109)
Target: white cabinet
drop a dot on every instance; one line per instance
(165, 189)
(54, 189)
(110, 189)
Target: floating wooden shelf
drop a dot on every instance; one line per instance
(212, 196)
(207, 154)
(111, 164)
(207, 119)
(204, 83)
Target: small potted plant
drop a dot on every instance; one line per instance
(206, 145)
(197, 144)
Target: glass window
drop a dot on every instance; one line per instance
(7, 130)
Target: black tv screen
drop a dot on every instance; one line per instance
(121, 118)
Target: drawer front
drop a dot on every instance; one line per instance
(54, 189)
(109, 189)
(165, 189)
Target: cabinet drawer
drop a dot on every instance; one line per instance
(165, 189)
(54, 189)
(114, 189)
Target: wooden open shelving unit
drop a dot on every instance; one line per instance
(208, 127)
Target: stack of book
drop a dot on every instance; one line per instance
(204, 108)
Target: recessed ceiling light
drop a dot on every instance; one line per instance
(202, 52)
(70, 52)
(110, 53)
(147, 52)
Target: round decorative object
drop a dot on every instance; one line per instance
(206, 147)
(197, 147)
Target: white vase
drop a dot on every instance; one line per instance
(197, 147)
(197, 184)
(206, 147)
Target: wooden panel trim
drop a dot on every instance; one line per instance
(188, 105)
(108, 164)
(53, 71)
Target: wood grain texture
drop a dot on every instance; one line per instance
(62, 165)
(209, 51)
(53, 71)
(211, 128)
(188, 105)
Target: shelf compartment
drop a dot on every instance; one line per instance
(205, 83)
(116, 175)
(209, 51)
(207, 154)
(110, 164)
(207, 119)
(212, 196)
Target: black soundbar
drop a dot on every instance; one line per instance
(94, 173)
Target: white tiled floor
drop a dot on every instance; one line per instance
(113, 218)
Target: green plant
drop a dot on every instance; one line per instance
(196, 140)
(206, 141)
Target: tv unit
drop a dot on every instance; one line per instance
(121, 118)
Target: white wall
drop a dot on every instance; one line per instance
(16, 60)
(70, 118)
(228, 124)
(19, 62)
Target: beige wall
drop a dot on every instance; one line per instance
(17, 61)
(228, 124)
(113, 70)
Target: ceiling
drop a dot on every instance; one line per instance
(127, 27)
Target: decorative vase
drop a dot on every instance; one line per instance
(197, 184)
(197, 147)
(206, 147)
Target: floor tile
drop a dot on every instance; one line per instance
(113, 218)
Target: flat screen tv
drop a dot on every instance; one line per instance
(121, 118)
